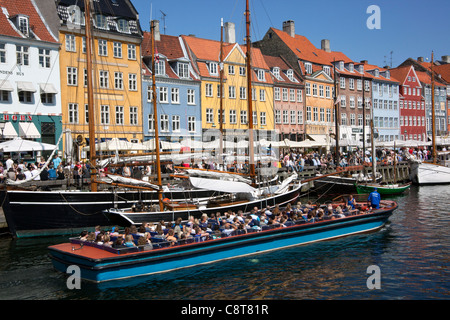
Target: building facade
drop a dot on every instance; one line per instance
(116, 66)
(288, 100)
(178, 90)
(411, 104)
(30, 92)
(385, 103)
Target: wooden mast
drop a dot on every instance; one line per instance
(221, 115)
(90, 89)
(336, 115)
(155, 118)
(249, 96)
(433, 115)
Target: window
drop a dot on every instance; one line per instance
(2, 53)
(132, 82)
(118, 81)
(70, 43)
(360, 120)
(131, 52)
(277, 94)
(344, 119)
(175, 123)
(212, 68)
(322, 114)
(183, 70)
(261, 75)
(351, 84)
(352, 119)
(277, 116)
(290, 75)
(243, 93)
(123, 26)
(208, 90)
(314, 89)
(308, 67)
(119, 115)
(103, 79)
(321, 91)
(86, 113)
(134, 116)
(164, 95)
(300, 96)
(232, 92)
(151, 122)
(262, 118)
(23, 25)
(175, 95)
(73, 113)
(230, 69)
(366, 85)
(300, 117)
(342, 83)
(308, 114)
(102, 47)
(233, 119)
(191, 96)
(285, 117)
(262, 95)
(72, 76)
(360, 102)
(327, 70)
(47, 98)
(25, 96)
(44, 58)
(83, 44)
(117, 49)
(209, 115)
(352, 102)
(315, 114)
(191, 124)
(328, 115)
(343, 101)
(4, 96)
(104, 114)
(242, 71)
(164, 122)
(244, 117)
(308, 89)
(221, 116)
(285, 94)
(22, 55)
(100, 21)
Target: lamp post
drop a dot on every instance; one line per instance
(2, 126)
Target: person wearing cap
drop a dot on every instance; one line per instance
(374, 199)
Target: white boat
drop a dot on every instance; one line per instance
(423, 173)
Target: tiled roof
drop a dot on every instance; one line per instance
(426, 78)
(279, 62)
(444, 71)
(371, 67)
(37, 26)
(400, 73)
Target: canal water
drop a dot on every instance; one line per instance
(412, 253)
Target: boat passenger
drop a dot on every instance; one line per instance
(351, 202)
(171, 237)
(99, 239)
(83, 235)
(144, 243)
(374, 199)
(129, 241)
(339, 213)
(90, 237)
(119, 243)
(107, 241)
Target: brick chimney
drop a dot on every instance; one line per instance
(420, 59)
(364, 61)
(289, 27)
(229, 32)
(157, 34)
(325, 45)
(446, 59)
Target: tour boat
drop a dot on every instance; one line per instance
(99, 263)
(385, 189)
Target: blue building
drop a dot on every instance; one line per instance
(178, 91)
(385, 103)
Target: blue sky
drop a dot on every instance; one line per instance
(409, 28)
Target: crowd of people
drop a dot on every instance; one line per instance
(220, 225)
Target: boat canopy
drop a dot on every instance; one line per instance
(221, 185)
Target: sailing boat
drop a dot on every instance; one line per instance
(239, 195)
(99, 263)
(31, 212)
(425, 173)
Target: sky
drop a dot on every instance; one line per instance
(407, 28)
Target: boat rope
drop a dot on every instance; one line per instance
(76, 210)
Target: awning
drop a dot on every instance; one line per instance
(25, 86)
(28, 130)
(48, 88)
(9, 132)
(221, 185)
(5, 85)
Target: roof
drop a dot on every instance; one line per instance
(444, 71)
(37, 25)
(426, 78)
(279, 62)
(401, 73)
(381, 77)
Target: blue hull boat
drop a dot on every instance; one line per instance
(98, 264)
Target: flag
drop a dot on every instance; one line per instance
(156, 56)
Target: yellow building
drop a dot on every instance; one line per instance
(116, 75)
(235, 104)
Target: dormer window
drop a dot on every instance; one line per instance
(261, 75)
(341, 65)
(276, 72)
(351, 67)
(100, 21)
(160, 67)
(361, 69)
(290, 74)
(183, 70)
(327, 70)
(388, 75)
(377, 73)
(22, 25)
(308, 67)
(212, 67)
(122, 25)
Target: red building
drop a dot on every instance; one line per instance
(412, 104)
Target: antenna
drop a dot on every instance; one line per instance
(164, 20)
(391, 57)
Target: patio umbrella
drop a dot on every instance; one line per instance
(21, 145)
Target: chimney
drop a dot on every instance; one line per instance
(229, 32)
(364, 61)
(289, 28)
(420, 59)
(157, 34)
(325, 45)
(446, 59)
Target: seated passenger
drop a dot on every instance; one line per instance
(145, 243)
(171, 237)
(129, 241)
(351, 202)
(119, 243)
